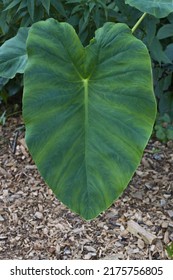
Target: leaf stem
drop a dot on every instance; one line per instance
(138, 22)
(14, 113)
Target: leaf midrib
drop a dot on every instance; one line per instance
(85, 83)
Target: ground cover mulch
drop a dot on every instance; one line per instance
(35, 225)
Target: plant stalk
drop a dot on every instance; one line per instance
(138, 22)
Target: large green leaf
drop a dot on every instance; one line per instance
(157, 8)
(89, 112)
(13, 55)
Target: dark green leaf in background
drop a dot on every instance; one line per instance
(13, 55)
(169, 52)
(157, 53)
(166, 104)
(12, 4)
(89, 112)
(31, 8)
(165, 31)
(46, 4)
(157, 8)
(59, 7)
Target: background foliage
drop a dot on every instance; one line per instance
(86, 17)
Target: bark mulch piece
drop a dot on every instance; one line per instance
(35, 225)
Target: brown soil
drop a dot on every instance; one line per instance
(35, 225)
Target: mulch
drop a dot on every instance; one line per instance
(34, 224)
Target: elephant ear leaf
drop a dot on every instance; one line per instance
(88, 112)
(157, 8)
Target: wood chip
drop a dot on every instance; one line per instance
(166, 237)
(2, 237)
(162, 202)
(30, 167)
(140, 232)
(5, 173)
(165, 224)
(87, 256)
(90, 249)
(137, 195)
(39, 215)
(23, 143)
(141, 244)
(57, 249)
(140, 173)
(114, 257)
(145, 163)
(1, 219)
(171, 224)
(170, 213)
(15, 218)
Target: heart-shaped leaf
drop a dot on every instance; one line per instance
(157, 8)
(89, 112)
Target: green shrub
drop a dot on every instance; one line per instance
(164, 128)
(86, 17)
